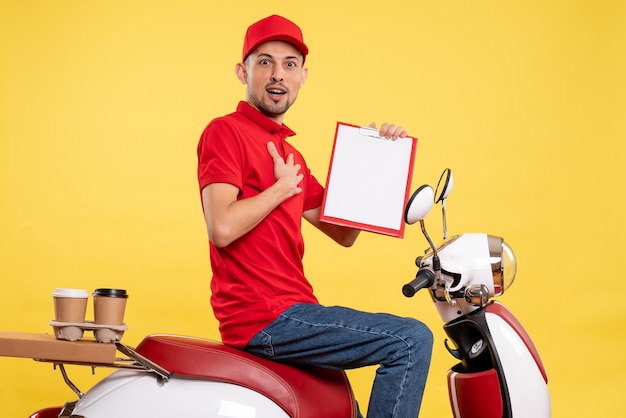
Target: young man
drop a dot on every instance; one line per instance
(256, 188)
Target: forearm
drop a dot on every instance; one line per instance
(342, 235)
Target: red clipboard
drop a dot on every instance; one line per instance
(369, 180)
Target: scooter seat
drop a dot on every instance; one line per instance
(302, 393)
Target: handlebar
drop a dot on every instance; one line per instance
(424, 278)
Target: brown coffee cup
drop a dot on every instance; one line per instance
(70, 305)
(109, 306)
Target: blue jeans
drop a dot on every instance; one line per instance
(342, 338)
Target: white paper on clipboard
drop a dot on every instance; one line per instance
(368, 180)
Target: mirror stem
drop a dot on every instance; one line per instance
(436, 264)
(445, 223)
(430, 242)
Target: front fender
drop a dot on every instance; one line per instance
(52, 412)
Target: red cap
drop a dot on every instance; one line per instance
(273, 28)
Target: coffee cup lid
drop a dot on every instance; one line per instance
(112, 293)
(70, 293)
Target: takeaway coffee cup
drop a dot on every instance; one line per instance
(70, 305)
(109, 306)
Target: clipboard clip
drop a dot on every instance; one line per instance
(371, 132)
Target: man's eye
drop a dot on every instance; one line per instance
(264, 62)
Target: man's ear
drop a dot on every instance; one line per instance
(241, 72)
(305, 74)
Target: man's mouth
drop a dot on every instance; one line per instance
(276, 92)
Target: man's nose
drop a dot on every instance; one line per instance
(277, 75)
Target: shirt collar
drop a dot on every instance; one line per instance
(263, 121)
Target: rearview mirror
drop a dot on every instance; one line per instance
(419, 205)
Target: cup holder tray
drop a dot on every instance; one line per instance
(72, 331)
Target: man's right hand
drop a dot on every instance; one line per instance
(286, 173)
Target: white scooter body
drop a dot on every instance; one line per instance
(138, 394)
(522, 370)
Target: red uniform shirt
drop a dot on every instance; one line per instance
(259, 275)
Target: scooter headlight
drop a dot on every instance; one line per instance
(503, 264)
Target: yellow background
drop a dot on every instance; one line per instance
(102, 104)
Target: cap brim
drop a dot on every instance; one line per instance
(284, 38)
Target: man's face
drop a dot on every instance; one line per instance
(273, 73)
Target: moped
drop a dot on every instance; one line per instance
(499, 373)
